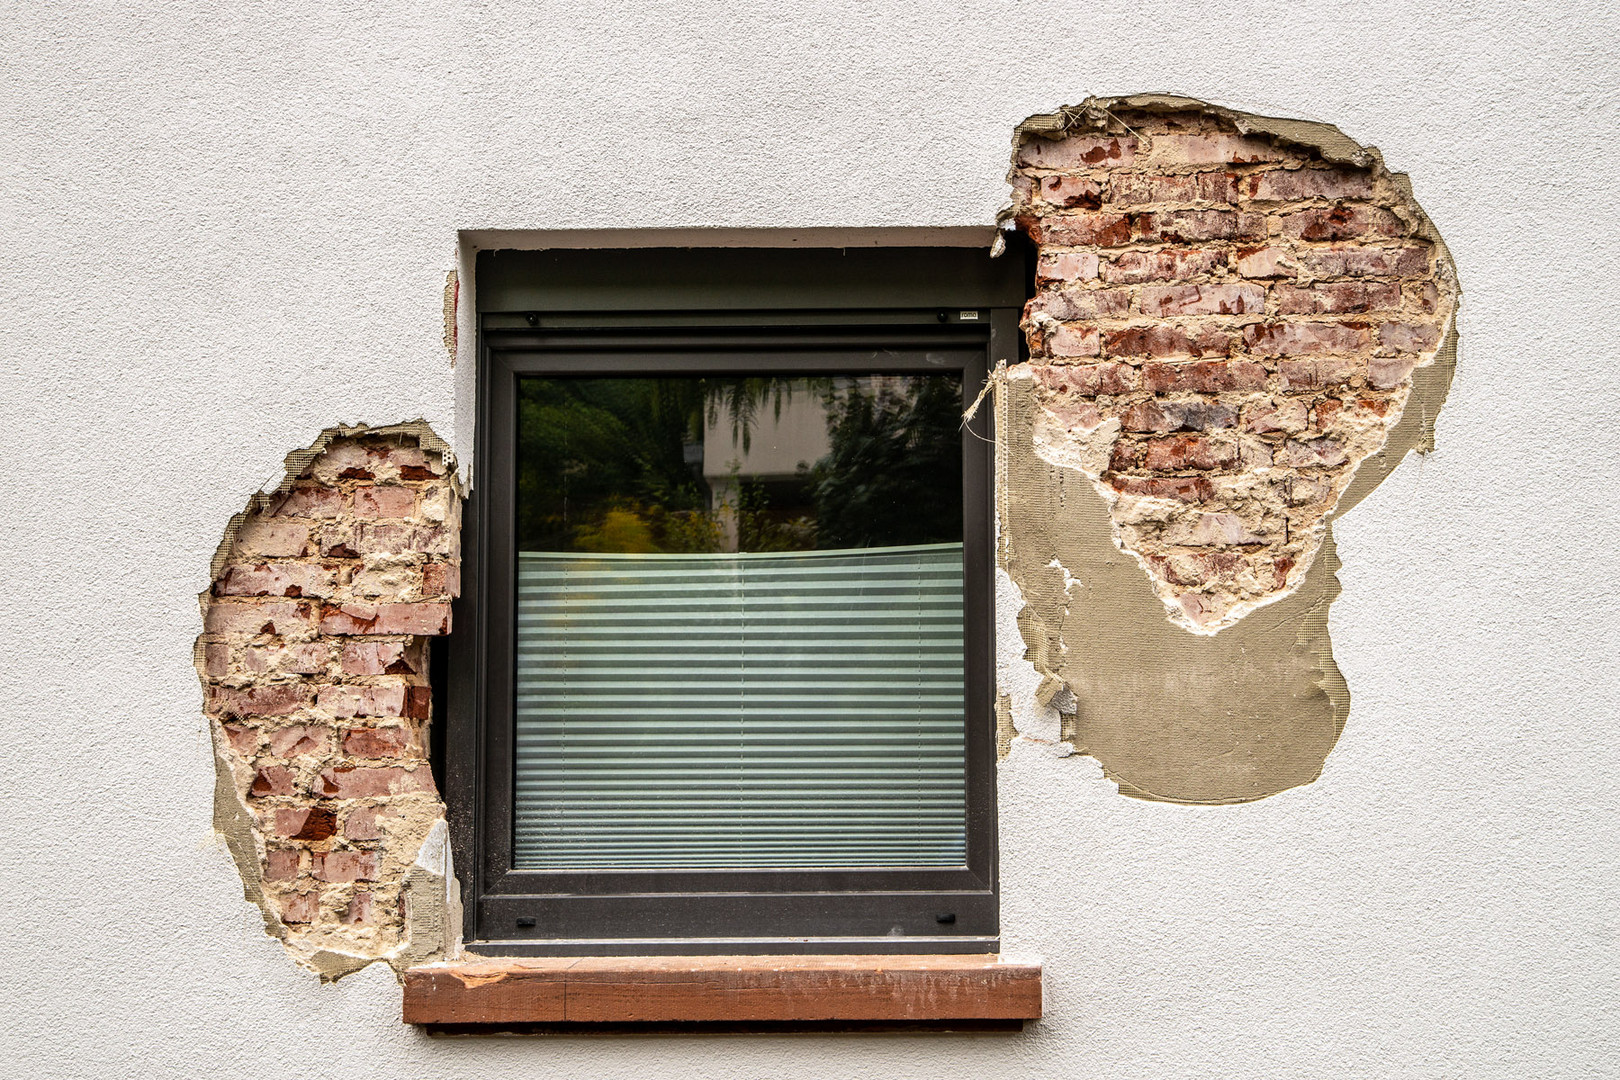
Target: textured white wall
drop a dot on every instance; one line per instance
(226, 226)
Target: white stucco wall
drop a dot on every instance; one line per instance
(227, 226)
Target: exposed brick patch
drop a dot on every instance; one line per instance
(1227, 323)
(314, 668)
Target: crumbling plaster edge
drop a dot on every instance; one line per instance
(1431, 379)
(1413, 431)
(433, 907)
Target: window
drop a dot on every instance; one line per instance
(722, 677)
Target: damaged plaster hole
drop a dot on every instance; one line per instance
(1228, 318)
(314, 659)
(1240, 326)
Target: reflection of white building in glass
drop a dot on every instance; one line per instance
(780, 443)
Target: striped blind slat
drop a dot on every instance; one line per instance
(758, 710)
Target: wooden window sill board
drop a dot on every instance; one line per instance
(568, 990)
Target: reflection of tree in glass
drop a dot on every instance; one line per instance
(741, 399)
(614, 465)
(761, 527)
(894, 473)
(601, 466)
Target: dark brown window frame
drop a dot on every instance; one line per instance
(696, 312)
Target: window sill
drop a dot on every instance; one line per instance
(514, 992)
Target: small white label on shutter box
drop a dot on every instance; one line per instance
(968, 316)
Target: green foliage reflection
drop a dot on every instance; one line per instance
(617, 464)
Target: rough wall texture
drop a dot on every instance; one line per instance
(314, 667)
(1225, 326)
(1241, 325)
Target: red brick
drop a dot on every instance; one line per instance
(280, 864)
(1191, 226)
(1188, 489)
(261, 617)
(1091, 379)
(1345, 222)
(1165, 300)
(1189, 452)
(310, 658)
(1385, 372)
(1188, 568)
(1148, 415)
(353, 782)
(272, 780)
(1217, 187)
(1317, 374)
(379, 658)
(384, 502)
(375, 539)
(272, 538)
(1409, 337)
(1076, 230)
(1077, 414)
(300, 907)
(1365, 262)
(1077, 152)
(1305, 339)
(1069, 304)
(1288, 185)
(1071, 339)
(1216, 149)
(1336, 297)
(359, 910)
(441, 580)
(400, 457)
(1167, 341)
(293, 579)
(313, 823)
(422, 618)
(216, 659)
(244, 740)
(1325, 412)
(1069, 192)
(1127, 454)
(310, 502)
(371, 538)
(342, 866)
(1266, 262)
(1165, 416)
(274, 699)
(1377, 405)
(363, 824)
(1171, 264)
(1066, 266)
(299, 740)
(1285, 415)
(1299, 454)
(383, 742)
(346, 459)
(1205, 376)
(349, 700)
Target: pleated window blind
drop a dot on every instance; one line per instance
(742, 710)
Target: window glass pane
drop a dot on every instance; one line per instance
(739, 623)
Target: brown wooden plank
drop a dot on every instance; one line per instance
(681, 989)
